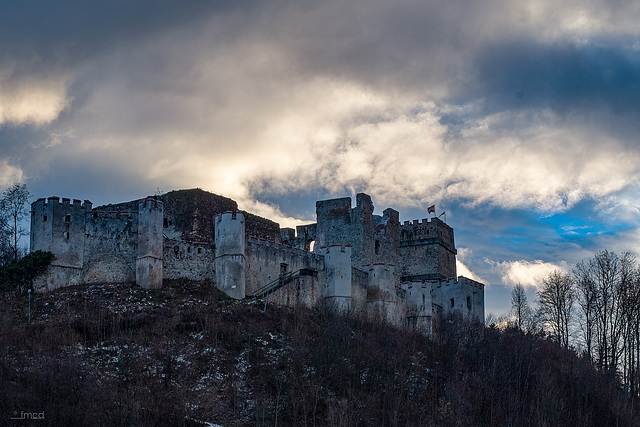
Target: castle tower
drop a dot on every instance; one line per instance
(427, 250)
(460, 296)
(59, 227)
(230, 254)
(337, 285)
(149, 259)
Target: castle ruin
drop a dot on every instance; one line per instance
(350, 258)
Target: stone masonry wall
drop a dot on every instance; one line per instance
(188, 260)
(266, 261)
(427, 250)
(111, 240)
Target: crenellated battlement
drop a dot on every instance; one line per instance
(417, 228)
(461, 280)
(64, 203)
(427, 231)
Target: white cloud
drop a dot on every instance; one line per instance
(9, 174)
(526, 273)
(462, 268)
(31, 100)
(342, 101)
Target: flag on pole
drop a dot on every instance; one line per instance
(431, 209)
(445, 215)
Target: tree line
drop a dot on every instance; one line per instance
(594, 309)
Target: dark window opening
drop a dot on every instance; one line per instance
(188, 249)
(377, 247)
(44, 218)
(67, 218)
(165, 223)
(199, 250)
(469, 303)
(452, 303)
(66, 235)
(283, 268)
(95, 214)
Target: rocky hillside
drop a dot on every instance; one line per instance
(186, 355)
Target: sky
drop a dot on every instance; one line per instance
(519, 119)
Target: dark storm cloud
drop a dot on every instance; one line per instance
(597, 80)
(69, 28)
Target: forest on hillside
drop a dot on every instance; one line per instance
(185, 354)
(593, 310)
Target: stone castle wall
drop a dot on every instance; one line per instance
(266, 261)
(361, 262)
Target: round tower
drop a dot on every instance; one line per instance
(149, 263)
(337, 268)
(230, 254)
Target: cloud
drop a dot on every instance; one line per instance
(413, 103)
(29, 100)
(526, 273)
(9, 174)
(462, 268)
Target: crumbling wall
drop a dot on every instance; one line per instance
(189, 214)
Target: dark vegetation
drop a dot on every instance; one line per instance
(16, 276)
(120, 355)
(593, 310)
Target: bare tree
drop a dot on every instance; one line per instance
(556, 298)
(520, 307)
(13, 210)
(587, 296)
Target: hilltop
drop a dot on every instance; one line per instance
(122, 355)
